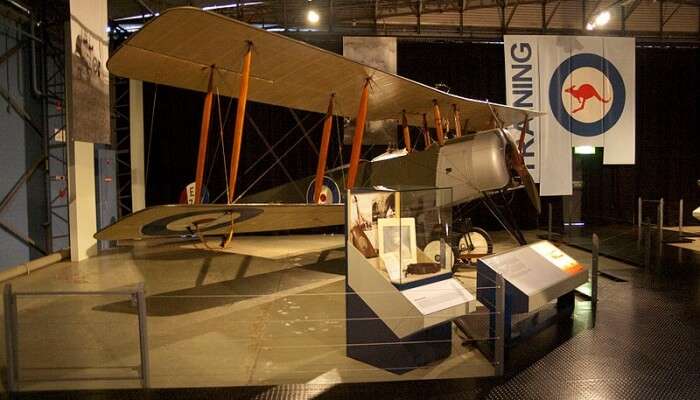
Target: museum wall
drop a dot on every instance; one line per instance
(25, 213)
(667, 143)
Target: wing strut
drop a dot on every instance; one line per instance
(406, 132)
(458, 120)
(323, 151)
(438, 123)
(238, 129)
(426, 132)
(203, 140)
(357, 138)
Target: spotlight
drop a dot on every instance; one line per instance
(312, 16)
(602, 18)
(590, 26)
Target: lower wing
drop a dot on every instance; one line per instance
(218, 219)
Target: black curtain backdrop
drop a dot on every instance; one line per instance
(668, 159)
(667, 145)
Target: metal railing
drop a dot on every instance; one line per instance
(137, 295)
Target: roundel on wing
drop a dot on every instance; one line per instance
(330, 193)
(587, 94)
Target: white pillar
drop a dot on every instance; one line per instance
(81, 202)
(136, 140)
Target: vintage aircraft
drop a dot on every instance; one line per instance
(207, 52)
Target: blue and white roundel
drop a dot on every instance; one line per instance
(587, 94)
(330, 193)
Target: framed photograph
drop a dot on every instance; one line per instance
(397, 242)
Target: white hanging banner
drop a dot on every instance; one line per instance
(524, 91)
(586, 86)
(619, 139)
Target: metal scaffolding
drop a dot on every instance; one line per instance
(39, 33)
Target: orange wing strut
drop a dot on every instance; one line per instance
(203, 139)
(458, 120)
(406, 133)
(323, 151)
(238, 128)
(357, 138)
(426, 132)
(438, 123)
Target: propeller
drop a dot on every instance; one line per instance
(517, 161)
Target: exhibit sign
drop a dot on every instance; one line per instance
(535, 274)
(438, 296)
(585, 85)
(88, 101)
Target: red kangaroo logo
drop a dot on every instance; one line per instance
(583, 93)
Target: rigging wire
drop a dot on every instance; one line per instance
(276, 162)
(150, 135)
(340, 147)
(259, 159)
(221, 137)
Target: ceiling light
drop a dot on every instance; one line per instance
(602, 18)
(312, 16)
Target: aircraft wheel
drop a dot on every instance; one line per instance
(474, 244)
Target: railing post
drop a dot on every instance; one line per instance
(680, 218)
(639, 219)
(660, 239)
(10, 343)
(647, 243)
(549, 221)
(594, 275)
(499, 353)
(143, 337)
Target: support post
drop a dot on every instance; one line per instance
(10, 343)
(136, 146)
(406, 132)
(499, 353)
(82, 209)
(143, 337)
(203, 139)
(240, 118)
(323, 151)
(594, 275)
(357, 138)
(438, 123)
(458, 120)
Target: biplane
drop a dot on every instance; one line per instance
(207, 52)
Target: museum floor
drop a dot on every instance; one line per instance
(222, 320)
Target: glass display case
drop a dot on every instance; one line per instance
(403, 233)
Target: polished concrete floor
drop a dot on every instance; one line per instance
(228, 320)
(214, 319)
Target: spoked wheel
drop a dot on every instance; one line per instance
(473, 244)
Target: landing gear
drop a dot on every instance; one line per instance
(472, 244)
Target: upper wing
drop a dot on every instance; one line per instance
(216, 219)
(178, 48)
